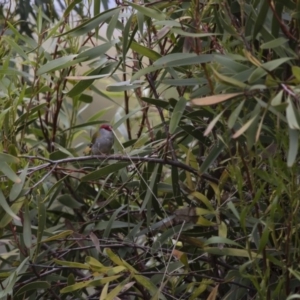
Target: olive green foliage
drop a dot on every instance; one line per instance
(200, 199)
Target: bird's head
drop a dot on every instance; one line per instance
(106, 127)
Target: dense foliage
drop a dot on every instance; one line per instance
(200, 199)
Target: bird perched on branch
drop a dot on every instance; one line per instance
(102, 141)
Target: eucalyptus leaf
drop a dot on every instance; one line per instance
(105, 171)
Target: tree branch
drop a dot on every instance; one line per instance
(165, 161)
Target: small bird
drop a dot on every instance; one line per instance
(102, 140)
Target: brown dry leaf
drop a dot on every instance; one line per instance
(213, 294)
(95, 241)
(127, 286)
(210, 100)
(177, 254)
(243, 128)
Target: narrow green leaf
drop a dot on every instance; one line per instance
(6, 219)
(118, 260)
(18, 186)
(104, 292)
(126, 36)
(231, 206)
(269, 66)
(30, 115)
(275, 63)
(37, 285)
(293, 146)
(230, 252)
(220, 240)
(244, 127)
(39, 20)
(71, 264)
(182, 59)
(264, 240)
(8, 284)
(92, 283)
(146, 283)
(60, 63)
(274, 43)
(212, 124)
(27, 227)
(296, 72)
(291, 115)
(97, 51)
(154, 203)
(71, 6)
(235, 114)
(56, 187)
(105, 171)
(91, 23)
(145, 51)
(54, 29)
(117, 224)
(112, 26)
(123, 86)
(15, 47)
(7, 208)
(4, 114)
(156, 102)
(230, 80)
(14, 72)
(169, 23)
(212, 156)
(149, 12)
(184, 81)
(261, 17)
(202, 198)
(84, 84)
(68, 201)
(41, 223)
(74, 287)
(117, 290)
(177, 114)
(253, 132)
(7, 171)
(150, 187)
(58, 236)
(226, 26)
(276, 24)
(176, 186)
(134, 231)
(190, 34)
(94, 263)
(140, 21)
(30, 41)
(145, 71)
(85, 98)
(111, 221)
(229, 61)
(9, 158)
(97, 6)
